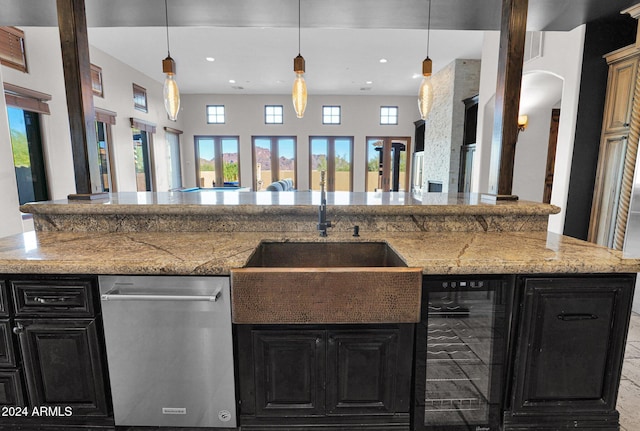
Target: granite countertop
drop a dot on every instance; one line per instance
(210, 202)
(208, 253)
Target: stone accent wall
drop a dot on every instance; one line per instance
(444, 127)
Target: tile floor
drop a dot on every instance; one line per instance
(629, 394)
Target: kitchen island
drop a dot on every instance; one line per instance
(450, 238)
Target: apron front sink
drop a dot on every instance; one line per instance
(325, 282)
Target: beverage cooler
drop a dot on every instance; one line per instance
(460, 349)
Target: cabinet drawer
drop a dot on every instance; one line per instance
(4, 305)
(7, 353)
(11, 388)
(53, 298)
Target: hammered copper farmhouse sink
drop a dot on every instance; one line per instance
(325, 282)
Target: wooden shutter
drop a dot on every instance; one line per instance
(12, 52)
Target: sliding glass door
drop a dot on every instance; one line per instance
(274, 159)
(28, 158)
(334, 156)
(217, 161)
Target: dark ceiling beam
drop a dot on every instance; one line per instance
(507, 102)
(77, 78)
(544, 15)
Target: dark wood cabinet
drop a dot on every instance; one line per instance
(361, 371)
(11, 393)
(569, 352)
(52, 352)
(7, 351)
(289, 370)
(63, 365)
(334, 376)
(468, 147)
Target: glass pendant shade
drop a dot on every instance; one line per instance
(425, 94)
(299, 95)
(299, 92)
(171, 97)
(171, 93)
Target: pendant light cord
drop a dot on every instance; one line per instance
(299, 27)
(166, 22)
(428, 27)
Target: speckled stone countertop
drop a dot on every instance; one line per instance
(209, 211)
(302, 203)
(197, 253)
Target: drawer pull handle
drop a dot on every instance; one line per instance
(573, 317)
(52, 299)
(137, 297)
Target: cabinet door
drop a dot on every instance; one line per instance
(570, 347)
(289, 372)
(361, 370)
(11, 388)
(621, 83)
(63, 364)
(7, 355)
(4, 305)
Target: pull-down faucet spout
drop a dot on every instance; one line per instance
(323, 224)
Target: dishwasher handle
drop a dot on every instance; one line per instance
(143, 297)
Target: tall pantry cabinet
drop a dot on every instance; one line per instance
(618, 151)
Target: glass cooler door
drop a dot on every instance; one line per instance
(459, 355)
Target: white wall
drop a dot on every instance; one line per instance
(245, 118)
(9, 214)
(531, 155)
(44, 62)
(118, 79)
(486, 104)
(45, 74)
(562, 56)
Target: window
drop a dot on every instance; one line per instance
(104, 120)
(174, 171)
(388, 115)
(273, 114)
(215, 114)
(274, 159)
(96, 80)
(28, 157)
(387, 164)
(334, 156)
(330, 115)
(142, 132)
(139, 98)
(12, 52)
(218, 161)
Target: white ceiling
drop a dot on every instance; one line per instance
(254, 41)
(260, 60)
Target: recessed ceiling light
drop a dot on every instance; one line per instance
(210, 59)
(416, 75)
(232, 81)
(368, 82)
(383, 60)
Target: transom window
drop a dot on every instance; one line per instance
(273, 114)
(388, 115)
(215, 114)
(331, 115)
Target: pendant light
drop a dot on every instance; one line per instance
(425, 94)
(170, 92)
(299, 92)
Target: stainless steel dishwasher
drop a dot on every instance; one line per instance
(169, 350)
